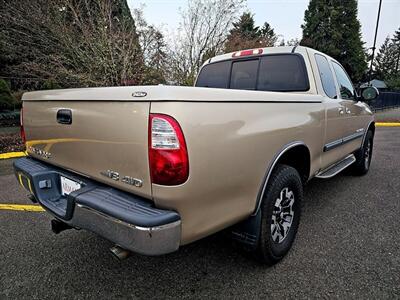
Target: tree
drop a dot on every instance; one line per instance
(6, 99)
(245, 27)
(268, 35)
(332, 27)
(245, 35)
(387, 61)
(154, 49)
(201, 35)
(72, 42)
(293, 42)
(396, 52)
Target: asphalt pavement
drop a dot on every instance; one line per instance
(348, 245)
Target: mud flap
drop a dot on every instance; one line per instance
(248, 231)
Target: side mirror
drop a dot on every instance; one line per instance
(369, 93)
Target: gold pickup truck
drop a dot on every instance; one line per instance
(152, 168)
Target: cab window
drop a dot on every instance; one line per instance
(345, 85)
(244, 75)
(276, 72)
(325, 73)
(215, 75)
(281, 73)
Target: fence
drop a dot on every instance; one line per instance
(386, 100)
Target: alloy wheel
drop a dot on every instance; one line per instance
(282, 215)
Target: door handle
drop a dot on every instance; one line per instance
(64, 116)
(341, 110)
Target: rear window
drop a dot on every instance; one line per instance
(215, 75)
(281, 72)
(244, 75)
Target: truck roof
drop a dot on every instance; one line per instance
(268, 50)
(265, 50)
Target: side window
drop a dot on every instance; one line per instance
(328, 83)
(345, 85)
(244, 75)
(284, 72)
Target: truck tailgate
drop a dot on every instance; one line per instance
(105, 139)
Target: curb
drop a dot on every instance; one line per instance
(387, 124)
(21, 207)
(12, 155)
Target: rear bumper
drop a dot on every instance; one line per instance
(125, 219)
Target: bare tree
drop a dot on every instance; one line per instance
(74, 42)
(201, 35)
(153, 46)
(293, 42)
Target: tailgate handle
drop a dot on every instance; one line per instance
(64, 116)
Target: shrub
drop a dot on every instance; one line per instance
(50, 84)
(6, 99)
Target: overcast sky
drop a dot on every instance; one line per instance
(285, 16)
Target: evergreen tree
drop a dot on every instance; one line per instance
(245, 35)
(332, 27)
(6, 99)
(396, 52)
(268, 36)
(245, 27)
(384, 61)
(387, 62)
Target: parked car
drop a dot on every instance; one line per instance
(152, 168)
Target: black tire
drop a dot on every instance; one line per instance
(269, 249)
(363, 156)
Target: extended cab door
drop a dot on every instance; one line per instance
(354, 124)
(334, 112)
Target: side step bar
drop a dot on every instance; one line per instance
(337, 167)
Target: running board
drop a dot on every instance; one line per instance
(336, 168)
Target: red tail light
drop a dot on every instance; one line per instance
(21, 120)
(168, 157)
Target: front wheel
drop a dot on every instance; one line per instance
(364, 156)
(281, 208)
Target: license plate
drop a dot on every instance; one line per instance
(68, 186)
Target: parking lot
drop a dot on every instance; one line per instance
(347, 246)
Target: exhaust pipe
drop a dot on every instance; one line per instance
(120, 253)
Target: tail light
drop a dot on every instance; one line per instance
(168, 157)
(21, 120)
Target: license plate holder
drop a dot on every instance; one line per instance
(68, 186)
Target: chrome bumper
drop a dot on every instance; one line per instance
(157, 240)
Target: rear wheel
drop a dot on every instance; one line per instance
(281, 210)
(364, 156)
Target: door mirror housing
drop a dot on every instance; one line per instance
(369, 93)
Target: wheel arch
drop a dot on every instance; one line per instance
(371, 126)
(288, 155)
